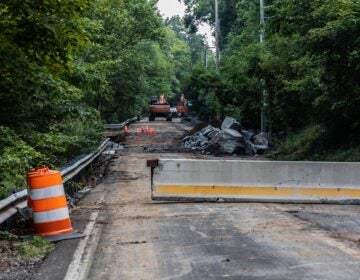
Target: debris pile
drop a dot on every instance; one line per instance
(113, 148)
(229, 139)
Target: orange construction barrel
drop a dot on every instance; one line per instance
(48, 202)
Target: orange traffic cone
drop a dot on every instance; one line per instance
(126, 130)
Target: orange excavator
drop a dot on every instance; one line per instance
(159, 107)
(181, 108)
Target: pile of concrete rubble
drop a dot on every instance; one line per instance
(230, 139)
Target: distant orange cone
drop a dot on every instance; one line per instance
(126, 130)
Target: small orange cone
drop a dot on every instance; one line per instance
(126, 130)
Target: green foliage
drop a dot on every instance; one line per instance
(345, 154)
(203, 88)
(16, 158)
(6, 235)
(318, 73)
(299, 146)
(42, 116)
(203, 11)
(196, 43)
(138, 57)
(36, 247)
(308, 144)
(69, 66)
(73, 136)
(309, 64)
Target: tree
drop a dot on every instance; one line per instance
(309, 64)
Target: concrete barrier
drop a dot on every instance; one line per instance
(263, 181)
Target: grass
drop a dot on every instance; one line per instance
(309, 144)
(36, 247)
(298, 146)
(347, 155)
(5, 235)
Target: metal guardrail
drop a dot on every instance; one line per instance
(10, 206)
(120, 125)
(71, 171)
(13, 203)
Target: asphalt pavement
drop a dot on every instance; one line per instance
(132, 237)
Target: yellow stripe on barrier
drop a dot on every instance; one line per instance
(257, 190)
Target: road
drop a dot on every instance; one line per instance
(135, 238)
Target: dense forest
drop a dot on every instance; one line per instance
(68, 67)
(309, 64)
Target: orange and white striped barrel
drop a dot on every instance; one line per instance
(48, 202)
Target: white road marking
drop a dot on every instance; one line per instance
(193, 229)
(80, 264)
(319, 263)
(83, 257)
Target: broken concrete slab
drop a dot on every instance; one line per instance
(248, 135)
(229, 139)
(250, 148)
(230, 122)
(226, 142)
(261, 139)
(232, 133)
(210, 131)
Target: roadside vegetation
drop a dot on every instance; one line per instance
(36, 247)
(67, 67)
(309, 64)
(18, 256)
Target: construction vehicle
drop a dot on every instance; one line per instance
(159, 107)
(181, 108)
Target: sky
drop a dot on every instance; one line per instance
(169, 8)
